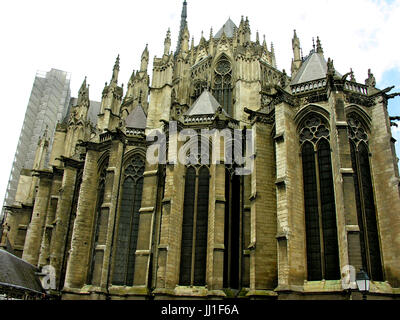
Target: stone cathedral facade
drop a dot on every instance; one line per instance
(321, 202)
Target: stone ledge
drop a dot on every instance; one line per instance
(189, 292)
(280, 137)
(289, 287)
(341, 124)
(163, 247)
(352, 228)
(219, 247)
(142, 252)
(346, 171)
(146, 210)
(260, 293)
(150, 173)
(323, 286)
(129, 291)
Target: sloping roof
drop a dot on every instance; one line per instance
(136, 119)
(204, 105)
(17, 273)
(229, 28)
(313, 68)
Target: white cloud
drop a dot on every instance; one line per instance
(84, 38)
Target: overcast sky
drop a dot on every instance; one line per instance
(84, 37)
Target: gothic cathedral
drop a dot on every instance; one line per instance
(320, 202)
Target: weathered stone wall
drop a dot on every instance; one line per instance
(386, 185)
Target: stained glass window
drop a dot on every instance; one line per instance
(128, 223)
(232, 230)
(319, 201)
(195, 227)
(367, 220)
(223, 84)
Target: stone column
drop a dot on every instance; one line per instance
(63, 212)
(78, 262)
(346, 210)
(171, 228)
(35, 229)
(386, 187)
(44, 257)
(216, 213)
(292, 260)
(263, 252)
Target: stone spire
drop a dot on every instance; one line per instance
(83, 94)
(167, 43)
(247, 31)
(319, 47)
(114, 78)
(273, 59)
(265, 43)
(182, 27)
(296, 62)
(145, 59)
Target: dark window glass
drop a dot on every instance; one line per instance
(232, 231)
(313, 240)
(328, 210)
(223, 85)
(128, 224)
(187, 228)
(369, 237)
(358, 204)
(201, 229)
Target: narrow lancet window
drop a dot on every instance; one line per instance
(367, 220)
(128, 223)
(319, 201)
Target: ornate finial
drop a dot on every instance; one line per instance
(167, 43)
(313, 44)
(319, 47)
(257, 38)
(116, 65)
(114, 78)
(211, 33)
(182, 27)
(83, 93)
(145, 59)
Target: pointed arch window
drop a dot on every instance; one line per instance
(319, 201)
(128, 223)
(195, 227)
(97, 255)
(366, 214)
(232, 229)
(223, 84)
